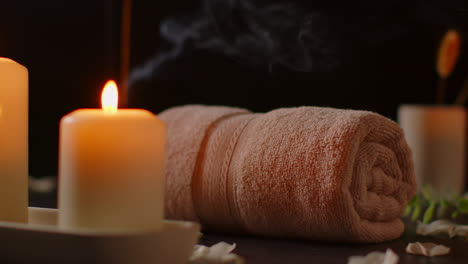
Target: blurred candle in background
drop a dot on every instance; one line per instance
(111, 168)
(437, 137)
(13, 141)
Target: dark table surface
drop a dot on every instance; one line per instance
(260, 250)
(257, 250)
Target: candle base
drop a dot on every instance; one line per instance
(41, 241)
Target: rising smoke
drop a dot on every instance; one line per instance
(295, 35)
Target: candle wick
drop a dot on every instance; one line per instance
(109, 109)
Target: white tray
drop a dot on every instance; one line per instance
(40, 241)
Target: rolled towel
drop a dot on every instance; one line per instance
(307, 172)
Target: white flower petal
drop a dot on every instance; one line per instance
(220, 249)
(375, 257)
(442, 227)
(427, 249)
(436, 228)
(461, 230)
(219, 253)
(390, 257)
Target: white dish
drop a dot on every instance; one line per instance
(41, 241)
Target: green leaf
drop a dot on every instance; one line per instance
(446, 203)
(462, 205)
(414, 201)
(416, 212)
(442, 208)
(455, 214)
(407, 210)
(429, 213)
(426, 192)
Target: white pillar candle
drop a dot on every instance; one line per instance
(13, 141)
(111, 168)
(437, 137)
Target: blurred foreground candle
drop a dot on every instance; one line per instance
(111, 168)
(13, 141)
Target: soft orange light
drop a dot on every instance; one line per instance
(110, 97)
(449, 51)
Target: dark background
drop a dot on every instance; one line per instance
(371, 55)
(70, 49)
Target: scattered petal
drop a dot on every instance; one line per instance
(219, 253)
(375, 257)
(436, 228)
(221, 249)
(442, 227)
(461, 230)
(427, 249)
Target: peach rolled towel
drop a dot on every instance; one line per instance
(307, 172)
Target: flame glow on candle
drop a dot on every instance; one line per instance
(110, 97)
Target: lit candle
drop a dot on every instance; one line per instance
(111, 168)
(13, 141)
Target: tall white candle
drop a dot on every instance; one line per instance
(13, 141)
(111, 168)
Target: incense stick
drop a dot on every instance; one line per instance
(463, 95)
(446, 59)
(441, 88)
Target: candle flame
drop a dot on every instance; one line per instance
(110, 97)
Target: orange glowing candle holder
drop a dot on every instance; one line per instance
(111, 168)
